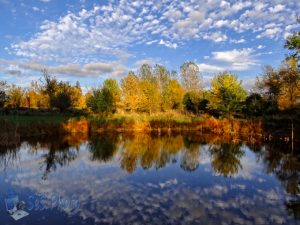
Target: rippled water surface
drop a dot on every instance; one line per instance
(150, 179)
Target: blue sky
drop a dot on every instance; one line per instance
(89, 41)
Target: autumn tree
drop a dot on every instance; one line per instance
(15, 96)
(151, 90)
(172, 95)
(190, 76)
(270, 84)
(228, 93)
(35, 96)
(131, 92)
(62, 95)
(146, 73)
(31, 96)
(77, 98)
(162, 75)
(150, 98)
(290, 84)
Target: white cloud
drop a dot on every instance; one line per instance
(238, 59)
(215, 37)
(277, 8)
(233, 60)
(197, 16)
(114, 68)
(173, 14)
(36, 9)
(141, 62)
(168, 44)
(221, 23)
(111, 28)
(232, 55)
(239, 41)
(261, 47)
(270, 33)
(151, 42)
(209, 68)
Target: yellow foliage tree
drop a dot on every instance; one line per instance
(15, 97)
(172, 95)
(131, 92)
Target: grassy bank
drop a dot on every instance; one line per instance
(51, 123)
(167, 122)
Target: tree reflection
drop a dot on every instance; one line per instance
(285, 164)
(60, 153)
(8, 158)
(170, 146)
(103, 147)
(226, 158)
(149, 151)
(191, 154)
(288, 172)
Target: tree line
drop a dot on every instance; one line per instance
(154, 89)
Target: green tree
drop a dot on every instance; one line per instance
(62, 98)
(3, 96)
(293, 43)
(254, 105)
(104, 100)
(50, 85)
(191, 101)
(196, 101)
(113, 87)
(190, 76)
(101, 101)
(227, 93)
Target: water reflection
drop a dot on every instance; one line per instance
(153, 151)
(226, 158)
(103, 148)
(209, 186)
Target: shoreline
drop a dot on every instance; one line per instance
(257, 128)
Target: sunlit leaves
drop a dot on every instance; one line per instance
(228, 93)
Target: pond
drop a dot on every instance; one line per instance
(150, 179)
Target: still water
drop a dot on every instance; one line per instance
(150, 179)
